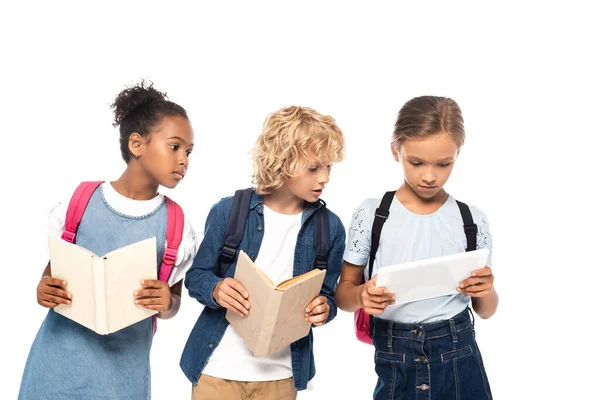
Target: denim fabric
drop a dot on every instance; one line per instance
(202, 278)
(70, 362)
(433, 361)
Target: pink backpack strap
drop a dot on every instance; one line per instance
(175, 222)
(77, 205)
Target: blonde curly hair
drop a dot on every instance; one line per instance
(293, 138)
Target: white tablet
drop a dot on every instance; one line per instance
(432, 277)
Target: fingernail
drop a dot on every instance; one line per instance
(307, 310)
(64, 283)
(142, 282)
(69, 295)
(136, 302)
(385, 290)
(461, 285)
(135, 293)
(68, 302)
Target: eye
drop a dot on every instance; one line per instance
(188, 152)
(312, 169)
(416, 163)
(175, 147)
(444, 165)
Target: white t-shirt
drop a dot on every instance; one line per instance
(232, 359)
(407, 237)
(189, 241)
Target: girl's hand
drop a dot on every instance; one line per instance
(51, 292)
(480, 284)
(154, 295)
(375, 299)
(317, 311)
(232, 295)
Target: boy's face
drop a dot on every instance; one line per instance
(165, 152)
(427, 163)
(308, 183)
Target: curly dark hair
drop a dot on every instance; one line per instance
(140, 108)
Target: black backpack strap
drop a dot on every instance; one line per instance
(469, 226)
(235, 228)
(381, 215)
(321, 237)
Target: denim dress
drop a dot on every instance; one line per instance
(69, 361)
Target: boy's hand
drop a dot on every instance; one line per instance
(230, 294)
(375, 299)
(51, 292)
(480, 284)
(317, 311)
(154, 295)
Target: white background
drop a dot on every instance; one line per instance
(526, 77)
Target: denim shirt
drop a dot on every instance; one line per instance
(202, 278)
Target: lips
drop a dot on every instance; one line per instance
(180, 173)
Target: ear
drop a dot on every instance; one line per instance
(395, 152)
(136, 144)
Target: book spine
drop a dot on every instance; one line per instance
(268, 326)
(100, 296)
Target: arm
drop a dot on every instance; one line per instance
(352, 294)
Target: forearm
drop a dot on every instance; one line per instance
(347, 296)
(486, 306)
(173, 307)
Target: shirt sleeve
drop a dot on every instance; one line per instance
(359, 236)
(484, 236)
(185, 254)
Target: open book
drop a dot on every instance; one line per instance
(430, 278)
(103, 286)
(276, 318)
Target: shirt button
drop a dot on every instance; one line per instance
(260, 228)
(259, 206)
(210, 346)
(423, 387)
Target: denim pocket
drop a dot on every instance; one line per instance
(451, 355)
(394, 358)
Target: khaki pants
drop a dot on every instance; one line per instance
(210, 388)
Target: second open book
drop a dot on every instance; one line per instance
(276, 318)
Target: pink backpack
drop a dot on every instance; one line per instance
(175, 221)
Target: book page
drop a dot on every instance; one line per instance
(261, 293)
(290, 282)
(430, 278)
(75, 265)
(291, 324)
(125, 268)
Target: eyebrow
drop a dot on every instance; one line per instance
(447, 159)
(178, 138)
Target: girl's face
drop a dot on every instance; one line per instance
(164, 154)
(427, 163)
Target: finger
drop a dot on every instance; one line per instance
(234, 305)
(476, 288)
(232, 292)
(152, 284)
(482, 271)
(55, 299)
(156, 308)
(151, 301)
(320, 309)
(315, 303)
(373, 311)
(238, 287)
(54, 291)
(316, 319)
(48, 304)
(147, 293)
(54, 282)
(390, 298)
(473, 281)
(376, 291)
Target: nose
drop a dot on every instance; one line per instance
(324, 176)
(429, 176)
(183, 160)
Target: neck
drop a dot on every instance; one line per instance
(283, 201)
(135, 184)
(411, 200)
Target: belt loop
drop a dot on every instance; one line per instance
(472, 317)
(390, 335)
(453, 330)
